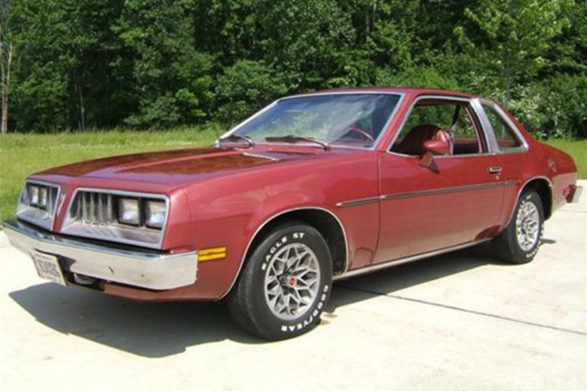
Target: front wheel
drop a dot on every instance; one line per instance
(520, 241)
(285, 283)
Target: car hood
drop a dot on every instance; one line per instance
(186, 165)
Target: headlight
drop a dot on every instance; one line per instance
(42, 197)
(128, 211)
(33, 195)
(37, 203)
(155, 214)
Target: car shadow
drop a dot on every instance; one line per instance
(392, 279)
(163, 329)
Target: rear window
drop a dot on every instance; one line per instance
(505, 135)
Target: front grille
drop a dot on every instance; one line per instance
(38, 203)
(93, 208)
(94, 213)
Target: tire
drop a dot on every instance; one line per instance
(510, 246)
(257, 302)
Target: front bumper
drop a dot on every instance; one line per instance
(135, 267)
(576, 196)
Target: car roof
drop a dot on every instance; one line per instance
(404, 90)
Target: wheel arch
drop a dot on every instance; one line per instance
(324, 220)
(541, 185)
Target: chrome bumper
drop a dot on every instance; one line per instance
(140, 268)
(577, 194)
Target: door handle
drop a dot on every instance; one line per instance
(495, 170)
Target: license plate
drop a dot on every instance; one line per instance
(48, 267)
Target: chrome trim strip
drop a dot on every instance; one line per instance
(66, 220)
(58, 203)
(268, 220)
(400, 261)
(335, 92)
(260, 156)
(443, 190)
(421, 193)
(145, 269)
(361, 201)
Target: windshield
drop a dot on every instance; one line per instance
(345, 119)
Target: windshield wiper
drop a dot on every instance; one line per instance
(238, 137)
(290, 138)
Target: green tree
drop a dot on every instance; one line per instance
(308, 40)
(171, 79)
(244, 88)
(519, 33)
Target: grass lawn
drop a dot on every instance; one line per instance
(22, 155)
(25, 154)
(577, 149)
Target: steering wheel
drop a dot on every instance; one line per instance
(360, 131)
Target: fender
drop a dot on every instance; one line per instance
(273, 217)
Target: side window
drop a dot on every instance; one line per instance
(506, 138)
(429, 118)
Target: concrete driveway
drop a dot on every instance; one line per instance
(461, 321)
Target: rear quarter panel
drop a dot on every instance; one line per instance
(539, 161)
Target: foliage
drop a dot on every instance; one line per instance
(82, 64)
(556, 108)
(244, 87)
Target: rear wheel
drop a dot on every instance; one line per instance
(520, 241)
(284, 285)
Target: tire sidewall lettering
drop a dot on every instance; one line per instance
(312, 316)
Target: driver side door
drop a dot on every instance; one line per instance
(453, 201)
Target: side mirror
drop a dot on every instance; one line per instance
(432, 148)
(437, 147)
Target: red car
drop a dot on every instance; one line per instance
(313, 188)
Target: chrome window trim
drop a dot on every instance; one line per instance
(58, 203)
(158, 245)
(274, 216)
(354, 92)
(486, 125)
(440, 97)
(504, 117)
(384, 130)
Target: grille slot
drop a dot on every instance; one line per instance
(93, 208)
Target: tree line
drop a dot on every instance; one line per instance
(82, 64)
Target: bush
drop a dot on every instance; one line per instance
(554, 108)
(564, 107)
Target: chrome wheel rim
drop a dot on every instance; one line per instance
(527, 225)
(292, 279)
